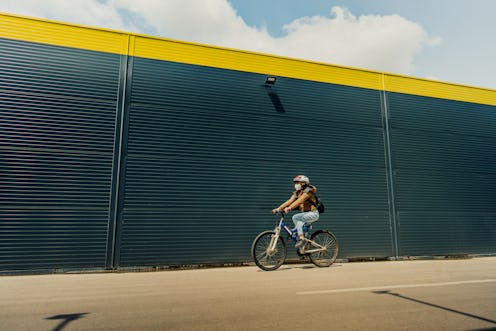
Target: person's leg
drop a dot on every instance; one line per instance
(298, 223)
(301, 218)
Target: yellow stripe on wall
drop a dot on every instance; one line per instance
(110, 41)
(58, 34)
(442, 90)
(253, 62)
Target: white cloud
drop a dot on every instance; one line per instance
(387, 43)
(93, 12)
(208, 21)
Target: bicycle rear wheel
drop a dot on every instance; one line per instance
(325, 257)
(264, 258)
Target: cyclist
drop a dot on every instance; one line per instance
(303, 199)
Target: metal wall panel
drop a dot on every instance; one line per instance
(444, 159)
(223, 58)
(212, 151)
(57, 123)
(131, 151)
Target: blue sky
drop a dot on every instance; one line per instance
(466, 55)
(448, 40)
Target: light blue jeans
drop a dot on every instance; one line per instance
(307, 217)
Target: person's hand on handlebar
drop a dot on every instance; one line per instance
(279, 210)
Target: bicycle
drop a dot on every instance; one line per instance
(269, 248)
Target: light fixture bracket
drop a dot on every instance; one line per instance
(270, 80)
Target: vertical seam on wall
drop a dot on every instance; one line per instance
(389, 172)
(117, 161)
(126, 107)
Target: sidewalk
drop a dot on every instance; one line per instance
(406, 295)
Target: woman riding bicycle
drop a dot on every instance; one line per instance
(304, 200)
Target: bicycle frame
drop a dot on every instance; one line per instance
(292, 233)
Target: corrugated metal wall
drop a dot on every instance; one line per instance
(210, 154)
(118, 161)
(57, 122)
(444, 159)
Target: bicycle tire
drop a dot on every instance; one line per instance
(259, 251)
(327, 239)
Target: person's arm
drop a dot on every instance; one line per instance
(303, 197)
(286, 203)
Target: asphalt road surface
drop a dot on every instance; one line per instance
(406, 295)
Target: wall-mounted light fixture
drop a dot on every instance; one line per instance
(270, 80)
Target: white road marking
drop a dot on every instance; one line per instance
(392, 287)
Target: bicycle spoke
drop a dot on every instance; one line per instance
(325, 256)
(262, 254)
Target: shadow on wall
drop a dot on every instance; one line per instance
(271, 91)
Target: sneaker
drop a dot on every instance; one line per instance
(300, 243)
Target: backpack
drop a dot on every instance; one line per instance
(319, 204)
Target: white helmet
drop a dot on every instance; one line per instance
(301, 178)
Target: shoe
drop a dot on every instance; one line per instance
(300, 243)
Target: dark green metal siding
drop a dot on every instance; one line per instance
(212, 151)
(57, 122)
(109, 161)
(444, 159)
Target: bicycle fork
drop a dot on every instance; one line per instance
(273, 241)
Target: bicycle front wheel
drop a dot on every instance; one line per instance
(267, 256)
(327, 256)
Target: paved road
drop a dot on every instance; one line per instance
(407, 295)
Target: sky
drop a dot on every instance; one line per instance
(447, 40)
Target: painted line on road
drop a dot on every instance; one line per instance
(393, 287)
